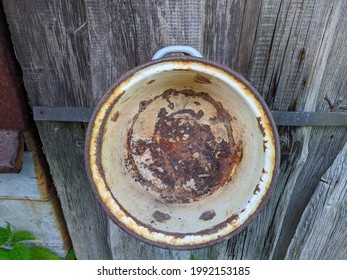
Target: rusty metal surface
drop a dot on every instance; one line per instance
(13, 104)
(191, 153)
(155, 197)
(11, 151)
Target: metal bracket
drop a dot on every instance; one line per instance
(62, 114)
(282, 118)
(310, 118)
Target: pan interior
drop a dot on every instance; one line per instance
(185, 149)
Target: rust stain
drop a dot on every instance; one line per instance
(234, 219)
(188, 69)
(183, 157)
(115, 116)
(331, 105)
(102, 136)
(303, 83)
(207, 215)
(261, 127)
(302, 54)
(143, 104)
(256, 190)
(201, 79)
(264, 145)
(160, 216)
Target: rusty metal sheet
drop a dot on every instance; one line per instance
(13, 104)
(11, 151)
(172, 153)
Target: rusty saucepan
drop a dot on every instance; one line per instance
(182, 151)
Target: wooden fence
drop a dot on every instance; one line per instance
(293, 52)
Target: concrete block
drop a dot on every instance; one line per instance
(29, 202)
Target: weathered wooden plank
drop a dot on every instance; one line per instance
(51, 42)
(321, 233)
(320, 146)
(223, 23)
(124, 34)
(87, 222)
(284, 46)
(293, 52)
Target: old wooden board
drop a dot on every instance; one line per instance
(52, 46)
(122, 36)
(276, 46)
(322, 228)
(293, 52)
(287, 50)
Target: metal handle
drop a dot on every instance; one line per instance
(176, 49)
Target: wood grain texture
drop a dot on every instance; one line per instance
(321, 233)
(286, 61)
(125, 34)
(293, 52)
(52, 47)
